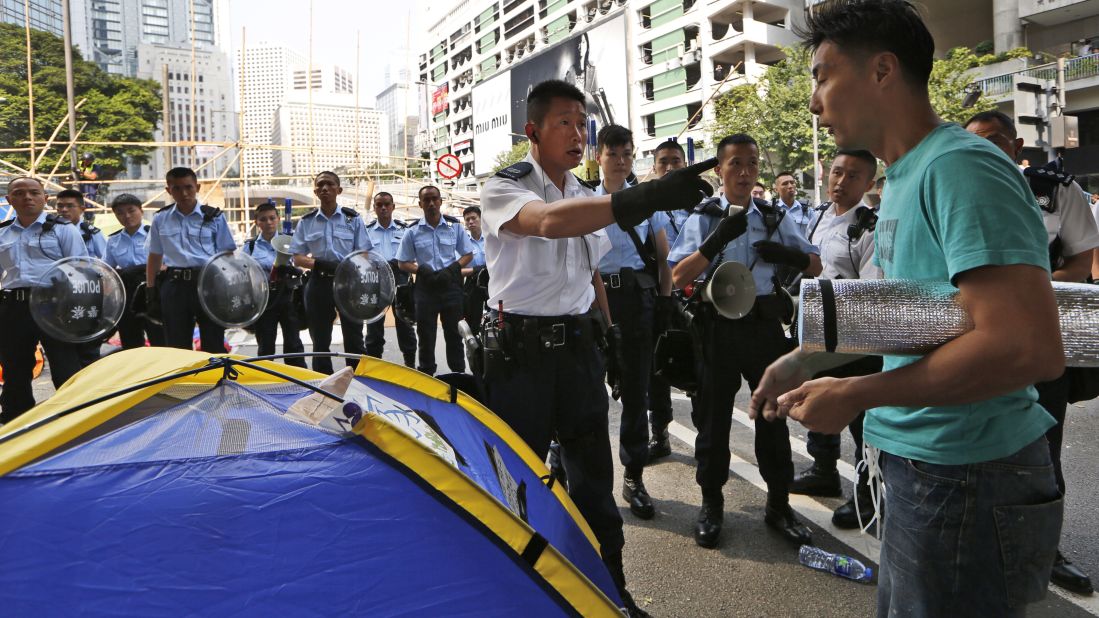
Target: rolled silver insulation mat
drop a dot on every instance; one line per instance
(898, 317)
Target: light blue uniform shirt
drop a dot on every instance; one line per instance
(801, 214)
(438, 247)
(187, 241)
(261, 251)
(676, 220)
(699, 226)
(330, 238)
(478, 251)
(623, 253)
(386, 240)
(96, 243)
(27, 253)
(125, 250)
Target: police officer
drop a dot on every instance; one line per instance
(324, 237)
(182, 237)
(386, 234)
(474, 291)
(631, 271)
(762, 238)
(667, 156)
(70, 206)
(29, 244)
(280, 300)
(759, 191)
(126, 253)
(786, 192)
(543, 242)
(436, 248)
(843, 229)
(1072, 237)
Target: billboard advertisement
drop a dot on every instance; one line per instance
(593, 60)
(438, 99)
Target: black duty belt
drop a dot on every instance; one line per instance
(183, 274)
(20, 295)
(551, 332)
(628, 278)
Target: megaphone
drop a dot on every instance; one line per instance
(281, 245)
(731, 290)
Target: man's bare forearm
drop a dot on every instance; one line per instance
(1075, 269)
(689, 269)
(152, 268)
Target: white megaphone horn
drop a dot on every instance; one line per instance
(281, 244)
(731, 290)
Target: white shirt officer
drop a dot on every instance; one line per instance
(330, 238)
(531, 275)
(841, 258)
(127, 250)
(1072, 221)
(623, 252)
(437, 247)
(386, 240)
(26, 253)
(188, 241)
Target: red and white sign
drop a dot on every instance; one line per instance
(438, 99)
(449, 166)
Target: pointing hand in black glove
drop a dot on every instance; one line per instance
(728, 229)
(777, 253)
(677, 190)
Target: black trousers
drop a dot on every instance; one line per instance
(406, 333)
(825, 447)
(180, 309)
(547, 393)
(18, 343)
(632, 310)
(133, 332)
(733, 349)
(1053, 396)
(280, 312)
(321, 314)
(435, 304)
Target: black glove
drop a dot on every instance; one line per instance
(325, 267)
(776, 253)
(677, 190)
(613, 337)
(728, 229)
(153, 311)
(425, 274)
(454, 273)
(664, 310)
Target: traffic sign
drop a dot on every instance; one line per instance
(449, 166)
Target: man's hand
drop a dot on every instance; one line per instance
(785, 374)
(425, 274)
(777, 253)
(677, 190)
(153, 311)
(728, 229)
(824, 405)
(325, 267)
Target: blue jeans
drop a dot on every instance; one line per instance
(968, 540)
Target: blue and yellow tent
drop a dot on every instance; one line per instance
(181, 485)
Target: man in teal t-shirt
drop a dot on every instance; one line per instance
(972, 513)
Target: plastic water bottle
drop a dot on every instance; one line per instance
(844, 566)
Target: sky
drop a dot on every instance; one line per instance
(382, 27)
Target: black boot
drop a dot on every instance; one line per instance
(659, 444)
(846, 518)
(780, 517)
(1069, 576)
(410, 360)
(821, 479)
(710, 518)
(618, 576)
(635, 494)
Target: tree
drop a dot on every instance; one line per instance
(117, 109)
(517, 153)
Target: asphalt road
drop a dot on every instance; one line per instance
(753, 572)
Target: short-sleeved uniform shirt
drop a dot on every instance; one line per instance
(1072, 220)
(532, 275)
(953, 203)
(438, 246)
(841, 257)
(26, 253)
(95, 242)
(262, 251)
(127, 250)
(188, 241)
(478, 246)
(700, 225)
(330, 238)
(385, 241)
(676, 219)
(623, 253)
(801, 214)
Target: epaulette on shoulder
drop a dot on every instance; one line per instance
(162, 209)
(823, 206)
(373, 223)
(1047, 173)
(515, 171)
(414, 223)
(4, 224)
(209, 213)
(117, 232)
(399, 223)
(147, 227)
(452, 219)
(591, 185)
(762, 203)
(89, 228)
(311, 213)
(710, 206)
(51, 221)
(349, 212)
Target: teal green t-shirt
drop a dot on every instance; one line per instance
(953, 203)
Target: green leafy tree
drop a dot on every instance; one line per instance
(117, 109)
(517, 153)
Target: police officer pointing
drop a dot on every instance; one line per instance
(436, 248)
(323, 238)
(386, 234)
(29, 244)
(127, 254)
(762, 238)
(183, 236)
(543, 371)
